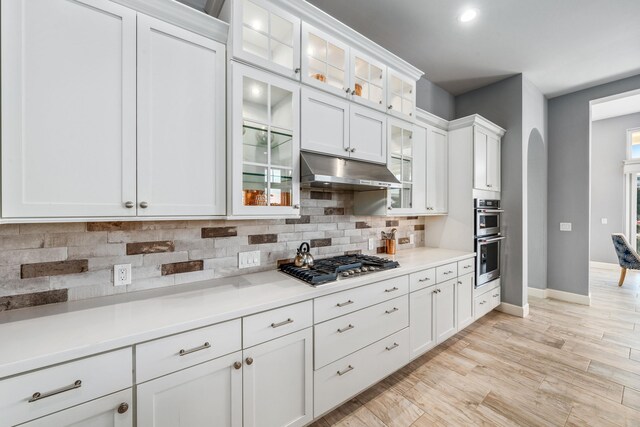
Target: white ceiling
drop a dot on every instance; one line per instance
(560, 45)
(619, 106)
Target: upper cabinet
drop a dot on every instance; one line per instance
(265, 35)
(401, 96)
(264, 143)
(325, 61)
(437, 169)
(402, 165)
(368, 81)
(486, 159)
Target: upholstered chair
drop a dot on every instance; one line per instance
(627, 256)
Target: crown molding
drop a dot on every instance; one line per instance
(425, 117)
(476, 119)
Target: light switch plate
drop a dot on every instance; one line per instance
(565, 226)
(248, 259)
(604, 221)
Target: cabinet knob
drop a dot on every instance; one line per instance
(389, 208)
(129, 205)
(348, 90)
(390, 107)
(144, 205)
(489, 185)
(124, 407)
(237, 365)
(296, 206)
(353, 150)
(297, 70)
(249, 360)
(347, 149)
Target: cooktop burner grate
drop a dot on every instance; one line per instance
(330, 269)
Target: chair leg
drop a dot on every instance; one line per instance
(623, 273)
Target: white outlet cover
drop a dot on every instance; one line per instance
(248, 259)
(412, 239)
(604, 221)
(372, 243)
(565, 226)
(121, 274)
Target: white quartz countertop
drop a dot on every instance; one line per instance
(36, 337)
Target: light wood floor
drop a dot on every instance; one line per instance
(564, 365)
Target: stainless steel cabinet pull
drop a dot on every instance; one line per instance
(353, 150)
(426, 279)
(296, 206)
(346, 328)
(124, 407)
(489, 185)
(284, 322)
(129, 205)
(347, 149)
(392, 310)
(459, 282)
(395, 345)
(496, 295)
(344, 371)
(466, 266)
(390, 107)
(184, 352)
(391, 290)
(343, 304)
(144, 205)
(37, 395)
(435, 291)
(297, 70)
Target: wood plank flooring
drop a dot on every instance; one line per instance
(564, 365)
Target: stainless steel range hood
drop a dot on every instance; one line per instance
(321, 171)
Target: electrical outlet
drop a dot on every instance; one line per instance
(121, 274)
(604, 221)
(372, 243)
(412, 239)
(248, 259)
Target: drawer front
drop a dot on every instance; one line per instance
(63, 386)
(339, 337)
(482, 305)
(339, 381)
(495, 298)
(346, 302)
(487, 287)
(422, 279)
(170, 354)
(466, 266)
(446, 272)
(272, 324)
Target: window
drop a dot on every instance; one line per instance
(634, 144)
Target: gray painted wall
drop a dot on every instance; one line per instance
(568, 184)
(502, 104)
(534, 134)
(434, 99)
(609, 150)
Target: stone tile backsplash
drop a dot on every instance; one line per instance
(47, 263)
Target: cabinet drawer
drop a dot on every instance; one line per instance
(275, 323)
(345, 302)
(28, 396)
(170, 354)
(446, 272)
(338, 337)
(495, 297)
(337, 382)
(482, 305)
(422, 279)
(466, 266)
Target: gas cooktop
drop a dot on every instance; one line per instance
(340, 267)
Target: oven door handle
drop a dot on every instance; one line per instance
(490, 211)
(491, 240)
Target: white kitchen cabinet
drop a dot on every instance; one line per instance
(278, 381)
(324, 123)
(436, 171)
(368, 81)
(422, 322)
(464, 297)
(181, 122)
(446, 320)
(406, 146)
(265, 35)
(264, 143)
(486, 153)
(324, 61)
(367, 134)
(401, 95)
(68, 109)
(114, 410)
(195, 396)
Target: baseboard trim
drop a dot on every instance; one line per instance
(569, 297)
(537, 292)
(513, 310)
(607, 265)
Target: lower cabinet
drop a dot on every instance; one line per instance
(205, 394)
(278, 382)
(114, 410)
(464, 306)
(422, 325)
(446, 325)
(486, 298)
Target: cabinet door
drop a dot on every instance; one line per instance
(446, 310)
(480, 152)
(114, 410)
(324, 123)
(181, 121)
(206, 394)
(493, 163)
(401, 95)
(421, 320)
(267, 36)
(278, 382)
(368, 134)
(265, 144)
(464, 296)
(68, 108)
(437, 169)
(368, 81)
(401, 163)
(324, 61)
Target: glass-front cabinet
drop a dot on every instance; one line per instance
(401, 96)
(267, 36)
(265, 144)
(406, 149)
(325, 61)
(368, 79)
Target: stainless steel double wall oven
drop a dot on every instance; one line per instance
(488, 218)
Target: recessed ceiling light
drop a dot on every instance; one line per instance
(468, 15)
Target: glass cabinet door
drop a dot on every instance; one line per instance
(401, 165)
(324, 61)
(368, 81)
(401, 96)
(265, 142)
(267, 36)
